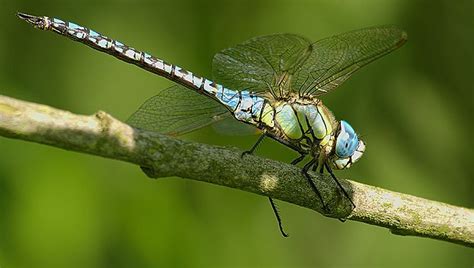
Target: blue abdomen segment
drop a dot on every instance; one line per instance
(228, 97)
(244, 105)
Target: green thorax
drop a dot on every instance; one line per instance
(303, 123)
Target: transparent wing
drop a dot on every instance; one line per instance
(261, 64)
(177, 110)
(283, 63)
(334, 59)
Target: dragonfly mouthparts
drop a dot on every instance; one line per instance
(37, 22)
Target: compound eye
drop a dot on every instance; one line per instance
(347, 141)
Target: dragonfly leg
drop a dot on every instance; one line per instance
(315, 166)
(277, 215)
(311, 183)
(299, 159)
(275, 209)
(339, 184)
(254, 147)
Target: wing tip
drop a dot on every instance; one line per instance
(403, 38)
(397, 32)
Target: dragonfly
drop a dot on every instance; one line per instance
(273, 83)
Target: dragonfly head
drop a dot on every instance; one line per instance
(349, 148)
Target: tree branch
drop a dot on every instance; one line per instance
(163, 156)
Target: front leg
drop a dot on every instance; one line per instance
(299, 159)
(338, 183)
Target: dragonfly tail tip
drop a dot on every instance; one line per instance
(34, 20)
(23, 16)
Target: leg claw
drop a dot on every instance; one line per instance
(245, 153)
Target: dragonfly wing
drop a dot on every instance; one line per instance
(334, 59)
(177, 110)
(284, 63)
(258, 64)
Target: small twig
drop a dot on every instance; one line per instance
(163, 156)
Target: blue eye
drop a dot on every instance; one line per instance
(347, 141)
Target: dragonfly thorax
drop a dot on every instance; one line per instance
(304, 123)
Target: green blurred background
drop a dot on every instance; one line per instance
(65, 209)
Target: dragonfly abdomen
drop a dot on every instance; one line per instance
(116, 48)
(245, 106)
